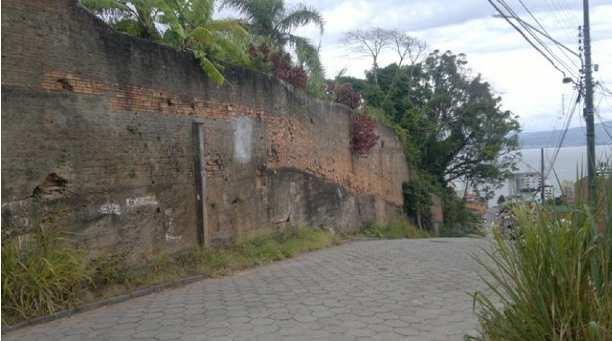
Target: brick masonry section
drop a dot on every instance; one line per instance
(97, 140)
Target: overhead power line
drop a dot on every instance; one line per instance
(544, 34)
(563, 134)
(530, 29)
(508, 13)
(564, 49)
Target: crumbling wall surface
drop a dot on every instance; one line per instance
(97, 140)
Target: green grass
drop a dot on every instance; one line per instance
(39, 278)
(552, 283)
(395, 230)
(44, 275)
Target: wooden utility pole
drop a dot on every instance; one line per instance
(588, 104)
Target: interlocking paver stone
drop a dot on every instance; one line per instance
(367, 290)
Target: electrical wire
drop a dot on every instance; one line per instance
(548, 34)
(563, 135)
(539, 46)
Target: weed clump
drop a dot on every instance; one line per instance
(40, 276)
(46, 274)
(554, 282)
(395, 230)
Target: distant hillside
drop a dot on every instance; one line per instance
(574, 137)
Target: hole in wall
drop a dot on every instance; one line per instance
(65, 84)
(53, 186)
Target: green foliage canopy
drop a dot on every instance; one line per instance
(452, 123)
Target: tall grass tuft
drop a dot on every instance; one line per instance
(43, 275)
(552, 283)
(40, 276)
(394, 230)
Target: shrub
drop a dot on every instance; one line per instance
(40, 276)
(417, 201)
(363, 135)
(459, 221)
(552, 283)
(279, 63)
(343, 93)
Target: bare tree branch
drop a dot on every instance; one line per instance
(407, 46)
(369, 42)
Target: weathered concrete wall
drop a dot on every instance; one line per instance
(97, 139)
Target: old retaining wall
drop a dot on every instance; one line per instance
(98, 139)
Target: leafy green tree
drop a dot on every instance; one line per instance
(272, 24)
(183, 24)
(417, 200)
(455, 126)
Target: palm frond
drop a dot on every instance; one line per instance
(242, 6)
(209, 67)
(301, 16)
(230, 49)
(102, 6)
(262, 15)
(308, 58)
(307, 54)
(201, 36)
(230, 26)
(200, 12)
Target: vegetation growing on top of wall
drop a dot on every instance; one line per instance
(183, 24)
(280, 64)
(47, 274)
(188, 25)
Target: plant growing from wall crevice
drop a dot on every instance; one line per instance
(363, 134)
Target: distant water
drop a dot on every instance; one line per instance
(568, 165)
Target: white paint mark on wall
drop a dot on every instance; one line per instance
(243, 138)
(109, 208)
(148, 200)
(170, 230)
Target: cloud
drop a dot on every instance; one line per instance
(529, 85)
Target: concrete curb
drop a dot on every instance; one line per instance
(112, 300)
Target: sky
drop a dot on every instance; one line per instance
(529, 86)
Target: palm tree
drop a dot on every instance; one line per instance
(183, 24)
(134, 17)
(191, 27)
(271, 22)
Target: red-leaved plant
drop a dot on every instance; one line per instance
(363, 134)
(281, 64)
(343, 93)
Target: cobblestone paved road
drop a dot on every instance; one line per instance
(366, 290)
